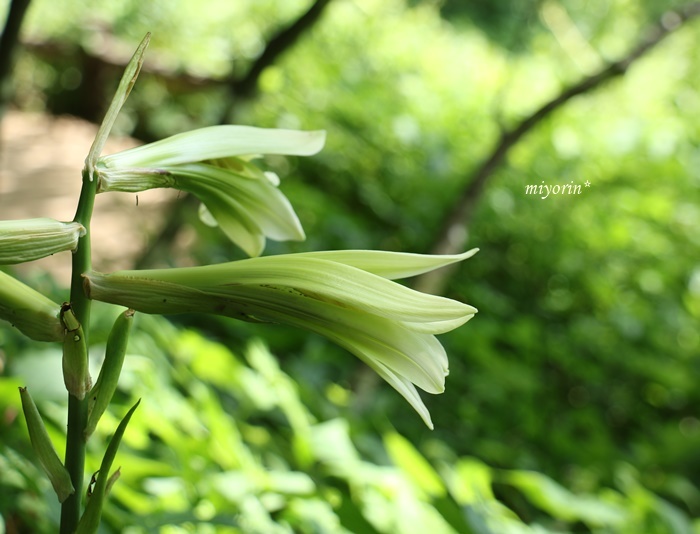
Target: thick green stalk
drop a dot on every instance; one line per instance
(77, 409)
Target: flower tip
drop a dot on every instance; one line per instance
(316, 142)
(469, 253)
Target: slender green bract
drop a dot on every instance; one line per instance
(90, 521)
(41, 443)
(103, 391)
(125, 85)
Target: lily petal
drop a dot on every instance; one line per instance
(235, 222)
(391, 265)
(326, 280)
(261, 201)
(406, 389)
(219, 142)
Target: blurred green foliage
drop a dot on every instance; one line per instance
(581, 366)
(224, 443)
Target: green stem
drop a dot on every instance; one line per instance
(77, 409)
(80, 303)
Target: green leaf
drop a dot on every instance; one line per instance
(469, 481)
(560, 503)
(414, 465)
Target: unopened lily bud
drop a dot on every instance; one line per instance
(33, 314)
(41, 443)
(76, 374)
(32, 239)
(103, 391)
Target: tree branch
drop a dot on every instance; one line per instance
(243, 87)
(283, 40)
(8, 42)
(452, 236)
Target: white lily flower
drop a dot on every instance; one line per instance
(389, 326)
(212, 163)
(31, 239)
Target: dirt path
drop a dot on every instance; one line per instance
(41, 158)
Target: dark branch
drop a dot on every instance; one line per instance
(276, 46)
(8, 41)
(244, 87)
(452, 236)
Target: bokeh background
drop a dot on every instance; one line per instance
(572, 401)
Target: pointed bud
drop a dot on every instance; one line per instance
(33, 314)
(41, 443)
(32, 239)
(106, 385)
(76, 374)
